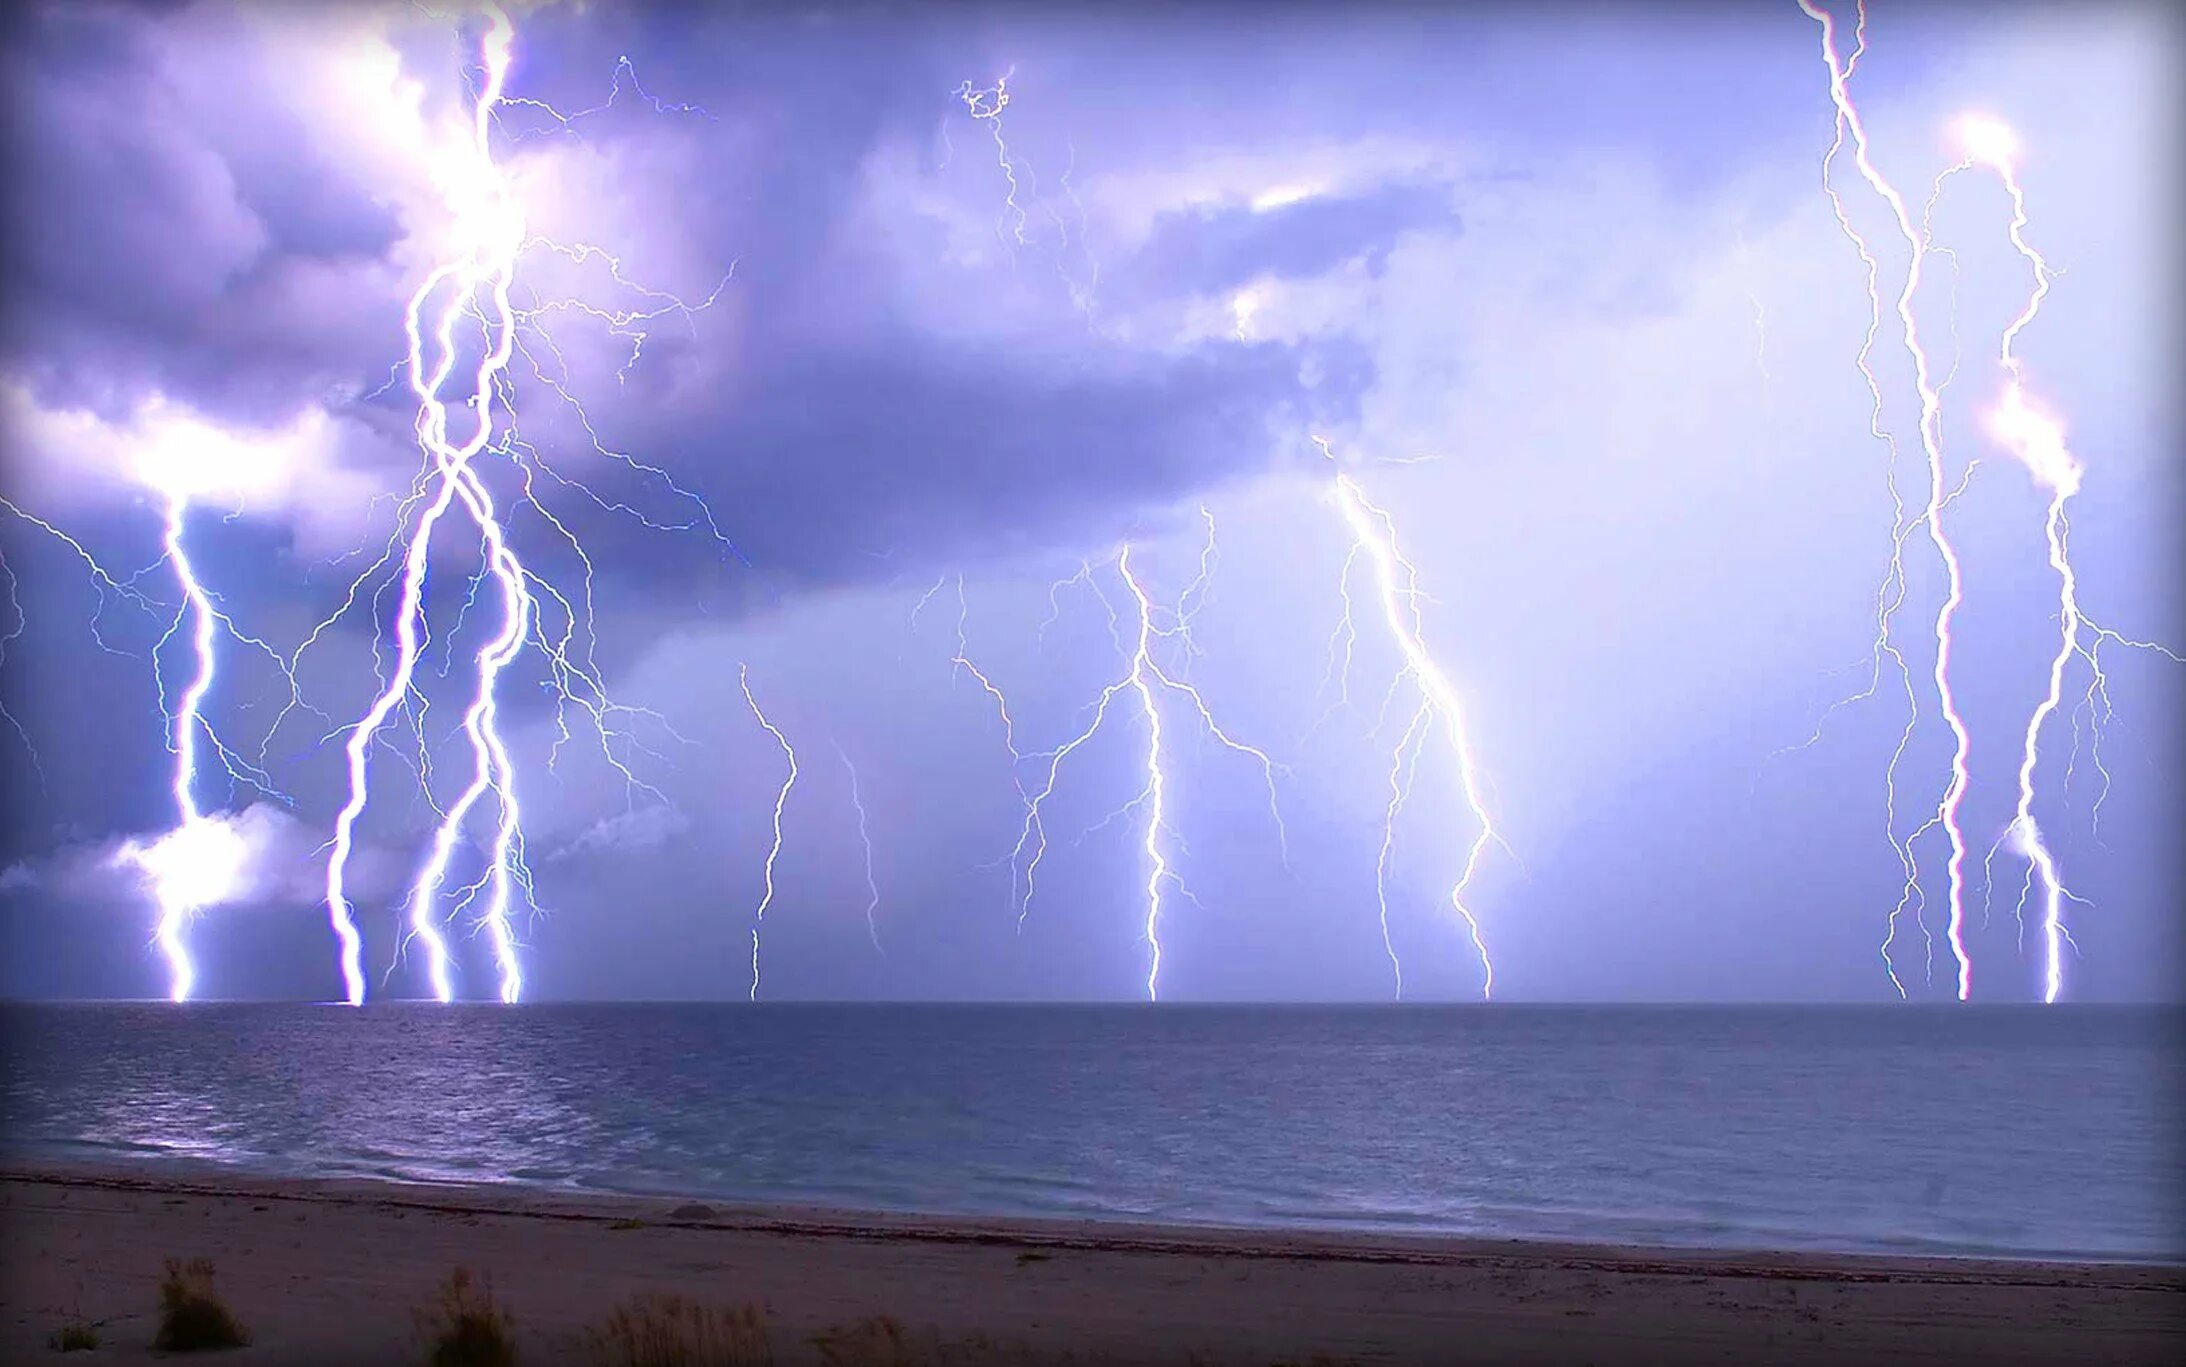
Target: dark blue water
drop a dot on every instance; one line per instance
(2020, 1132)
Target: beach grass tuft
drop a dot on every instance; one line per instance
(192, 1317)
(77, 1337)
(466, 1329)
(673, 1331)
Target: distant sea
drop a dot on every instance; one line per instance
(1999, 1131)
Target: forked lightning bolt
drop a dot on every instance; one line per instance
(1147, 680)
(476, 287)
(1931, 441)
(1396, 585)
(2037, 440)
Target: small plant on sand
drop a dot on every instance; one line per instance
(670, 1331)
(192, 1318)
(466, 1329)
(76, 1337)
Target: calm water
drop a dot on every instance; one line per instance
(2001, 1131)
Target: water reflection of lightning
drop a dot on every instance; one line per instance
(1397, 588)
(1948, 806)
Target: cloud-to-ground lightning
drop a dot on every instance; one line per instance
(203, 859)
(1396, 585)
(1147, 680)
(1947, 813)
(197, 863)
(865, 843)
(781, 802)
(2037, 439)
(476, 287)
(494, 224)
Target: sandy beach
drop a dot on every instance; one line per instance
(330, 1271)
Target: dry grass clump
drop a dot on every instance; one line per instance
(77, 1337)
(466, 1329)
(192, 1318)
(672, 1331)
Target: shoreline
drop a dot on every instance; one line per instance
(522, 1200)
(328, 1270)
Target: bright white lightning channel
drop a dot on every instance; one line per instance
(1396, 582)
(1146, 679)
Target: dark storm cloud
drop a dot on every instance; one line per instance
(155, 241)
(159, 241)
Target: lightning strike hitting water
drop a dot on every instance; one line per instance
(2038, 441)
(1396, 582)
(200, 861)
(476, 286)
(1947, 808)
(1143, 674)
(495, 224)
(781, 800)
(865, 842)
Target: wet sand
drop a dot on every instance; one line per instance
(330, 1272)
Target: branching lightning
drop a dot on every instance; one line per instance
(1947, 808)
(1147, 680)
(2037, 441)
(1396, 582)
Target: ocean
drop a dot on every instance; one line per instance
(1995, 1131)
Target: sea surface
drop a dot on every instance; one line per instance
(2019, 1132)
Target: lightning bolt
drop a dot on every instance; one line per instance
(865, 842)
(1947, 808)
(477, 285)
(781, 801)
(496, 225)
(1397, 589)
(1147, 680)
(194, 864)
(202, 860)
(985, 104)
(17, 621)
(2038, 441)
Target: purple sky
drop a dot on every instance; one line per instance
(1561, 287)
